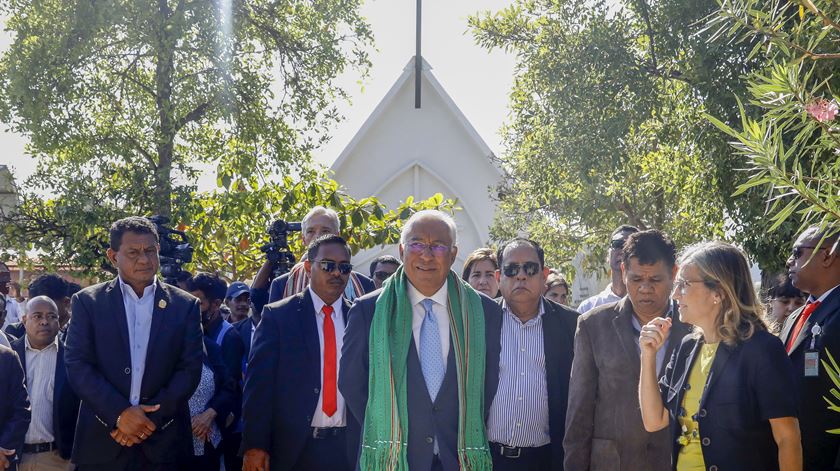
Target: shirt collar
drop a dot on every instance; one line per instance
(507, 310)
(319, 303)
(823, 296)
(53, 345)
(441, 296)
(129, 291)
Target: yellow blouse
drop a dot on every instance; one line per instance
(691, 454)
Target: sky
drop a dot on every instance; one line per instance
(477, 80)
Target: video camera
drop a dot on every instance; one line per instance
(277, 250)
(175, 249)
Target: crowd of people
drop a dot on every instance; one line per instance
(677, 364)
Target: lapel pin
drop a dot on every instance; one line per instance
(162, 303)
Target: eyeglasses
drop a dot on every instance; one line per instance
(420, 247)
(382, 275)
(330, 266)
(680, 284)
(38, 317)
(512, 269)
(797, 251)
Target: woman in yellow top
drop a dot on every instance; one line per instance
(728, 391)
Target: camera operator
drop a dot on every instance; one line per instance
(317, 222)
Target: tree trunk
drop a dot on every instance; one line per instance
(162, 190)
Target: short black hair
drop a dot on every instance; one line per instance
(650, 247)
(49, 285)
(213, 287)
(782, 287)
(183, 275)
(516, 242)
(136, 224)
(315, 246)
(73, 288)
(624, 228)
(383, 259)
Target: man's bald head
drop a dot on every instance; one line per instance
(41, 322)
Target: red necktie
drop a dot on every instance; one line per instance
(800, 323)
(330, 403)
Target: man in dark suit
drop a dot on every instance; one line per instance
(14, 409)
(527, 418)
(424, 313)
(809, 334)
(54, 405)
(318, 222)
(604, 427)
(294, 417)
(210, 291)
(134, 356)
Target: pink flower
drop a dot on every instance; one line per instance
(822, 110)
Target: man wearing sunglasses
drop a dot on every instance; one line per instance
(810, 334)
(616, 289)
(527, 416)
(604, 427)
(382, 268)
(294, 417)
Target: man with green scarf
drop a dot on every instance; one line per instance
(417, 367)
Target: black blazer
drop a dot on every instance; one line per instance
(424, 417)
(15, 331)
(232, 351)
(749, 384)
(559, 325)
(244, 329)
(820, 450)
(65, 401)
(14, 407)
(99, 369)
(278, 285)
(283, 380)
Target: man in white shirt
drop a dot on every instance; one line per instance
(49, 438)
(12, 309)
(616, 289)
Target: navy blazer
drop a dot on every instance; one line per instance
(283, 381)
(820, 450)
(425, 418)
(244, 328)
(65, 401)
(232, 352)
(98, 363)
(748, 384)
(15, 331)
(14, 407)
(559, 324)
(225, 397)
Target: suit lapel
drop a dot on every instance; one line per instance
(678, 331)
(721, 357)
(677, 388)
(345, 309)
(788, 325)
(159, 311)
(623, 325)
(309, 330)
(115, 297)
(552, 346)
(59, 374)
(19, 347)
(831, 304)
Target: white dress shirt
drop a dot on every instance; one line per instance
(40, 384)
(441, 310)
(12, 311)
(138, 314)
(319, 418)
(604, 297)
(4, 341)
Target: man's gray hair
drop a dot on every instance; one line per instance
(39, 299)
(430, 214)
(320, 211)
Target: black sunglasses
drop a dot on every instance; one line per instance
(382, 275)
(512, 269)
(330, 266)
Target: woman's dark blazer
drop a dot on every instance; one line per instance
(749, 383)
(224, 397)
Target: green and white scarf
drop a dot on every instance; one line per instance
(385, 438)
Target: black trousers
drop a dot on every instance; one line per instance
(230, 449)
(209, 461)
(328, 453)
(537, 459)
(130, 459)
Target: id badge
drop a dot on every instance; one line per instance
(812, 363)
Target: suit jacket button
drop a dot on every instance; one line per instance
(308, 418)
(713, 468)
(317, 390)
(430, 440)
(706, 441)
(702, 413)
(128, 371)
(435, 408)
